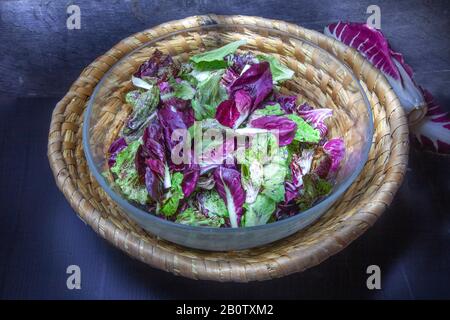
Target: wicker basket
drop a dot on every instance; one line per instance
(358, 209)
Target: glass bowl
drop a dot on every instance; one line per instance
(320, 79)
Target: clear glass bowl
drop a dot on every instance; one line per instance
(320, 79)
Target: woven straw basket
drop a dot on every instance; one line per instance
(349, 217)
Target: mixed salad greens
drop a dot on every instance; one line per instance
(213, 142)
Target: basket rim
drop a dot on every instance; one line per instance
(328, 200)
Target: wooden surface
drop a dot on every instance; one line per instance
(40, 58)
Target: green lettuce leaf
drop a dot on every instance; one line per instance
(193, 217)
(127, 177)
(182, 90)
(270, 110)
(251, 178)
(304, 133)
(144, 104)
(275, 172)
(214, 59)
(210, 93)
(173, 197)
(279, 71)
(314, 188)
(213, 204)
(258, 212)
(132, 97)
(264, 169)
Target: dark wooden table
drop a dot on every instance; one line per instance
(40, 234)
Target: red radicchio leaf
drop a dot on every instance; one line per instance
(160, 66)
(152, 152)
(229, 187)
(372, 44)
(315, 117)
(172, 119)
(285, 210)
(157, 166)
(335, 148)
(257, 81)
(115, 147)
(246, 94)
(433, 132)
(281, 126)
(301, 165)
(239, 61)
(168, 99)
(190, 178)
(233, 112)
(291, 191)
(153, 184)
(287, 103)
(321, 164)
(228, 78)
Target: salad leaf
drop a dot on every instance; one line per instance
(335, 148)
(210, 93)
(279, 71)
(233, 112)
(160, 66)
(183, 90)
(173, 197)
(321, 164)
(153, 184)
(316, 118)
(256, 81)
(372, 44)
(214, 59)
(290, 191)
(152, 154)
(284, 128)
(175, 93)
(115, 147)
(287, 103)
(301, 165)
(258, 212)
(132, 97)
(172, 119)
(190, 179)
(252, 175)
(275, 172)
(206, 182)
(127, 178)
(228, 78)
(246, 94)
(211, 204)
(193, 217)
(264, 168)
(433, 131)
(313, 189)
(228, 184)
(268, 110)
(143, 108)
(238, 62)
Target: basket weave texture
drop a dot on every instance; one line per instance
(354, 213)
